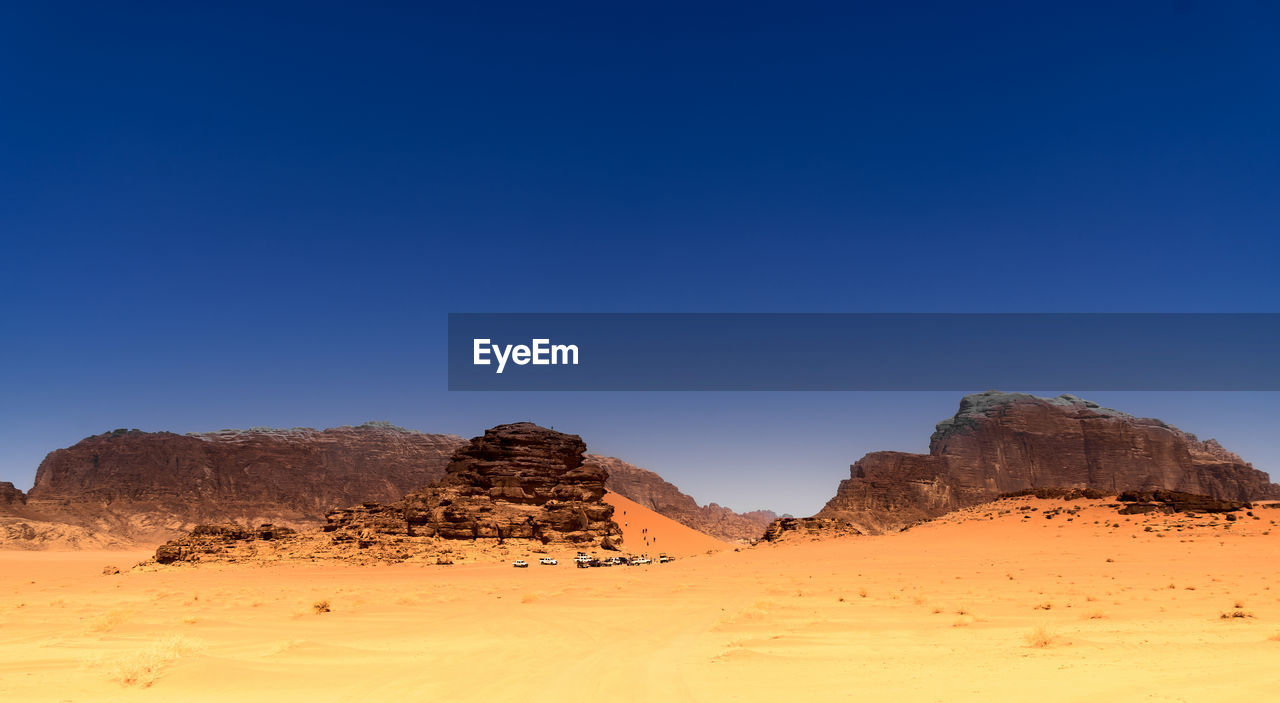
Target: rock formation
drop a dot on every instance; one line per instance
(515, 482)
(650, 490)
(9, 495)
(1005, 442)
(1140, 502)
(129, 485)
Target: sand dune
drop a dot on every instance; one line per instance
(645, 531)
(996, 603)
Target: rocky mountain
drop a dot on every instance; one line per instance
(129, 486)
(1006, 442)
(149, 486)
(652, 491)
(515, 482)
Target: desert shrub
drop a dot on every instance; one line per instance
(143, 667)
(1040, 637)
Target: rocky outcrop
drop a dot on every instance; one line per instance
(149, 486)
(213, 540)
(515, 482)
(792, 528)
(1139, 502)
(11, 496)
(128, 486)
(651, 491)
(1006, 442)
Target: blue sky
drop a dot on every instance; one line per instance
(233, 216)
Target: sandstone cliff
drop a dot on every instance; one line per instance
(129, 485)
(652, 491)
(516, 482)
(1005, 442)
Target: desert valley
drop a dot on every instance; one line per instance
(1044, 549)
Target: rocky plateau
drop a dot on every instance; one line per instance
(1000, 443)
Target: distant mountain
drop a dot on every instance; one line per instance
(652, 491)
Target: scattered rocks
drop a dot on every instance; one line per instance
(1177, 502)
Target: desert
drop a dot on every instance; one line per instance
(992, 602)
(1045, 548)
(639, 352)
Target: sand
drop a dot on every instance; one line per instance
(644, 531)
(980, 606)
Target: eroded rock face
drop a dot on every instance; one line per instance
(650, 490)
(150, 486)
(516, 482)
(9, 495)
(1007, 442)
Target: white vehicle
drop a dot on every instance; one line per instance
(663, 559)
(640, 561)
(548, 561)
(582, 558)
(520, 564)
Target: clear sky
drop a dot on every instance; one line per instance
(233, 216)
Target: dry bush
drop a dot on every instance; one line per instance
(143, 667)
(1236, 614)
(1040, 637)
(108, 621)
(320, 606)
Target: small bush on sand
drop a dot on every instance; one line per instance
(1236, 614)
(108, 621)
(320, 606)
(143, 667)
(1040, 637)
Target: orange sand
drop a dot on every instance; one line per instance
(951, 610)
(646, 532)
